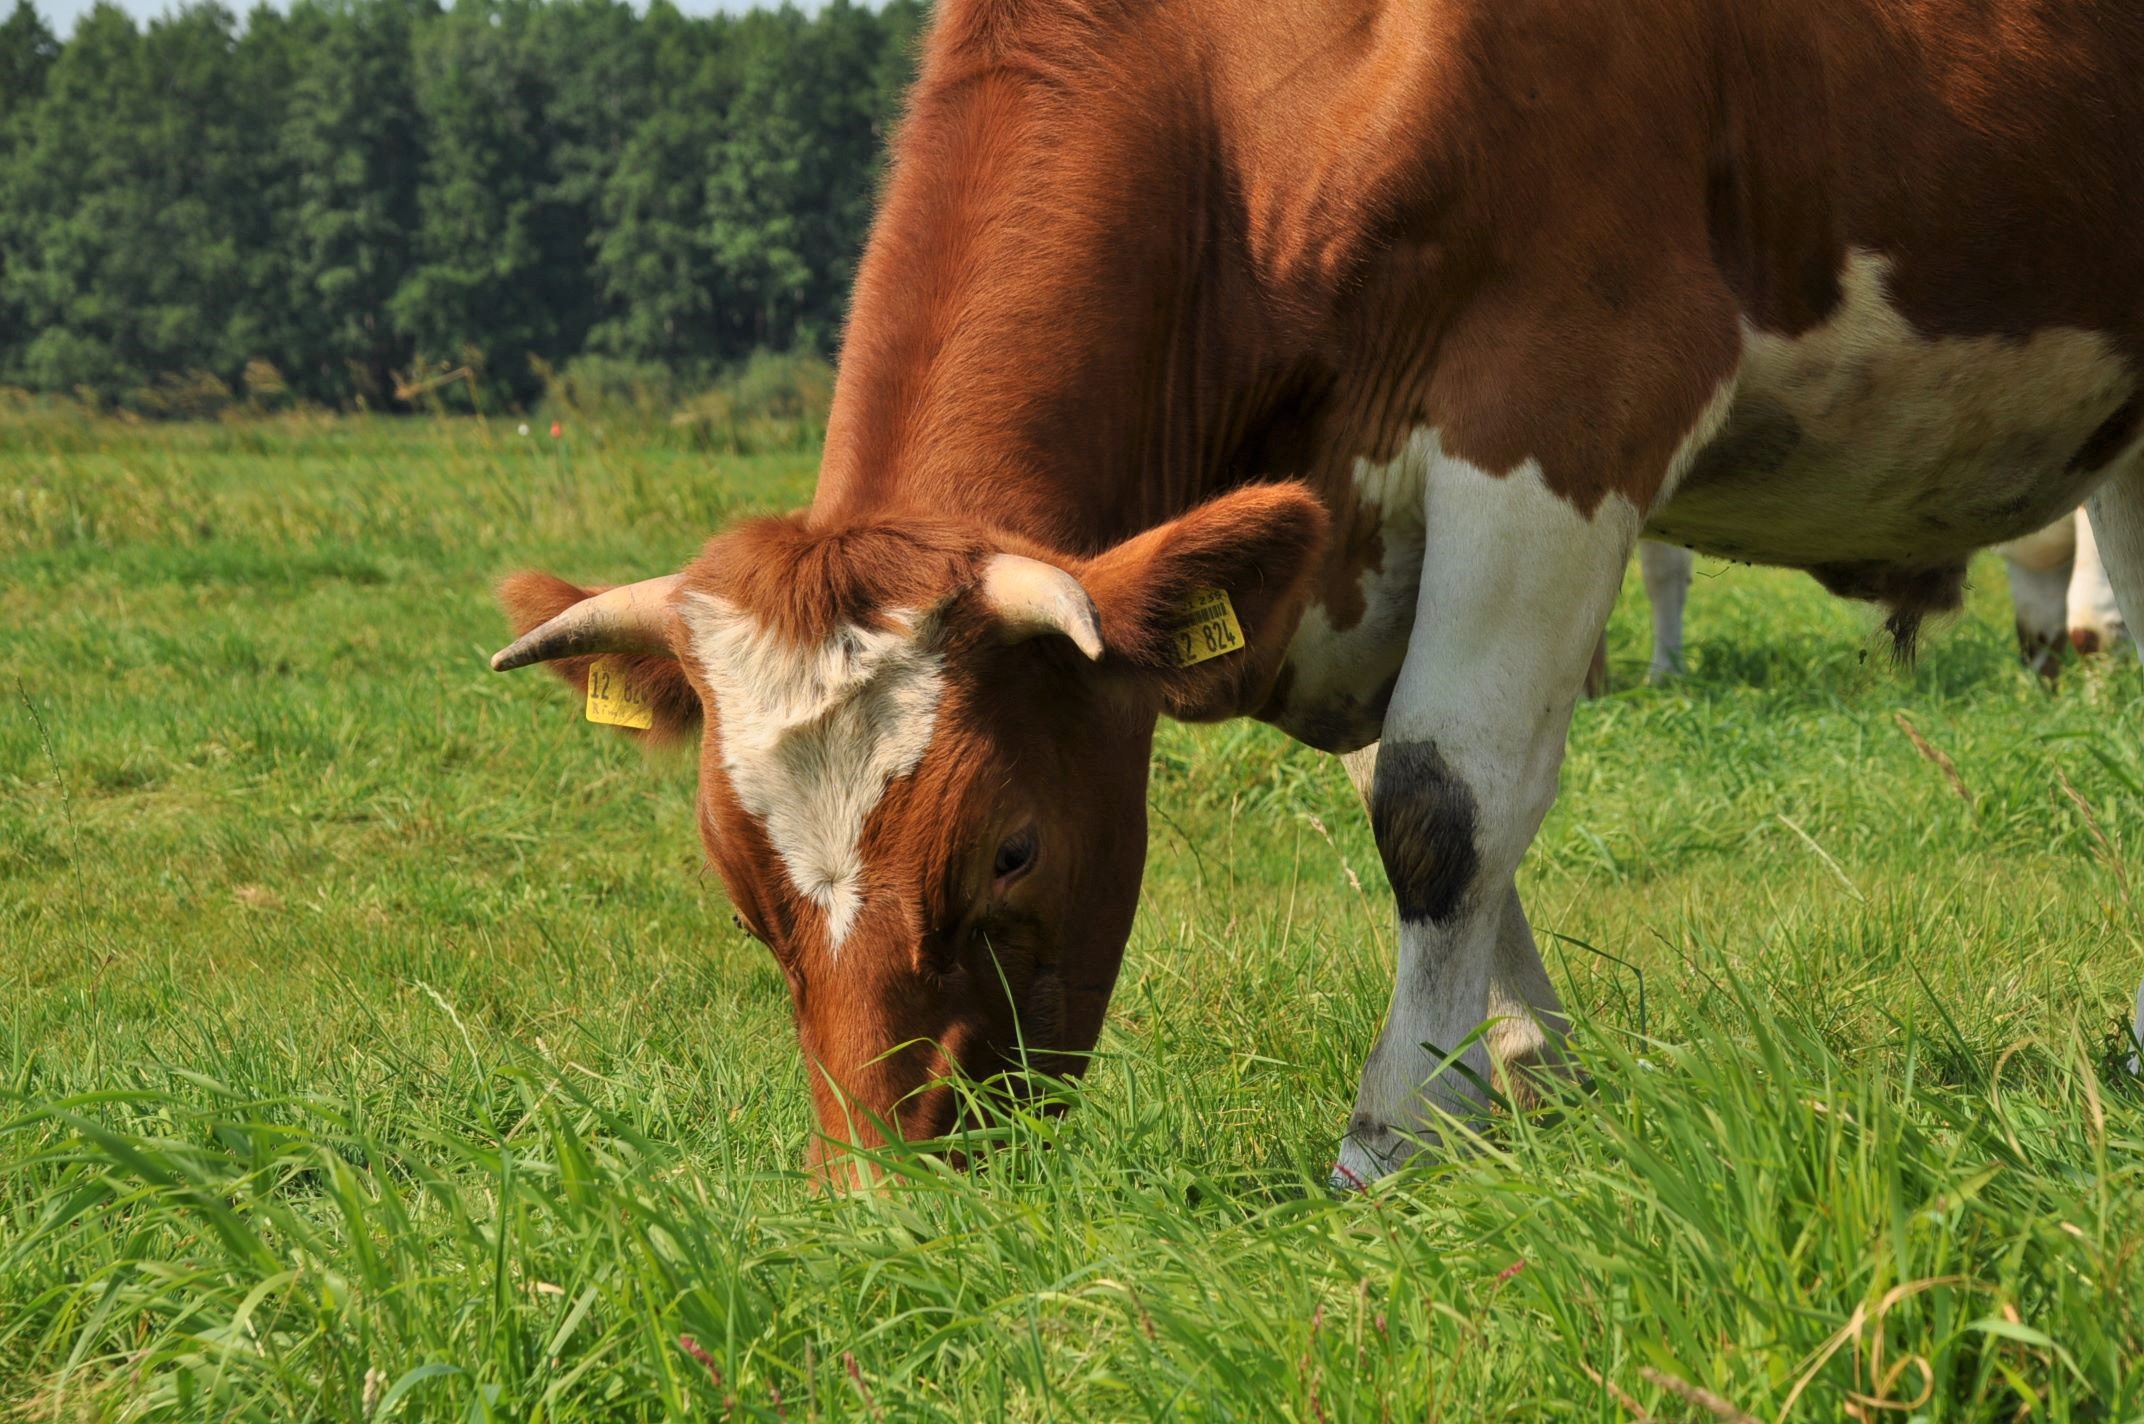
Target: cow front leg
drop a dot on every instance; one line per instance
(1527, 1027)
(1516, 586)
(2116, 510)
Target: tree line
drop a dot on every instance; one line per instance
(355, 194)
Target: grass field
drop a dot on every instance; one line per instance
(372, 1044)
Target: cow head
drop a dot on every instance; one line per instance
(923, 764)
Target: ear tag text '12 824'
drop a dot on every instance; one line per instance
(1207, 627)
(611, 702)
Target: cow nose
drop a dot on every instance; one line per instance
(2085, 640)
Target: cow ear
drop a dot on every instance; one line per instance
(655, 679)
(1154, 594)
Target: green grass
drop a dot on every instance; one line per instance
(371, 1040)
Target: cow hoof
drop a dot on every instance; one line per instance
(1369, 1151)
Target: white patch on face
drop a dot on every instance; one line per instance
(811, 737)
(1863, 439)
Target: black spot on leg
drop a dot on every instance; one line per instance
(1424, 817)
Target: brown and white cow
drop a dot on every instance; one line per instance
(2058, 591)
(1397, 321)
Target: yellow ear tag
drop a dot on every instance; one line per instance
(1208, 627)
(611, 702)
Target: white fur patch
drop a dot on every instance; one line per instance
(812, 737)
(1515, 586)
(1338, 672)
(1863, 439)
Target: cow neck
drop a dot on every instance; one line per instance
(1055, 330)
(1090, 463)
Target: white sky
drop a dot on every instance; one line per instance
(61, 14)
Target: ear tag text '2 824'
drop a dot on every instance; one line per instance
(611, 702)
(1206, 627)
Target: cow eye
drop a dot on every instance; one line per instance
(1014, 856)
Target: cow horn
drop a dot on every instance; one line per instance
(1032, 598)
(626, 619)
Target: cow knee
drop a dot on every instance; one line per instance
(1427, 822)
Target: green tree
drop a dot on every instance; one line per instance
(602, 61)
(259, 188)
(363, 186)
(653, 270)
(501, 274)
(790, 194)
(143, 198)
(356, 144)
(27, 52)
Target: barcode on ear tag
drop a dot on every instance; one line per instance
(611, 702)
(1208, 627)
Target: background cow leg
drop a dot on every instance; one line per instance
(1527, 1026)
(2095, 620)
(2038, 567)
(1516, 586)
(1667, 569)
(2117, 511)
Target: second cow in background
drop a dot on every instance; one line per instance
(2057, 587)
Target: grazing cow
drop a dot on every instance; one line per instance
(2058, 588)
(1321, 361)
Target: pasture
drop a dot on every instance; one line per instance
(372, 1045)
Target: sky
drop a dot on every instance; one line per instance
(61, 14)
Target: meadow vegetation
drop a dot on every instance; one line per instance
(373, 1044)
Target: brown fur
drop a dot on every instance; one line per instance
(805, 582)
